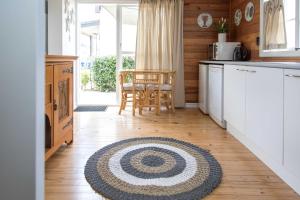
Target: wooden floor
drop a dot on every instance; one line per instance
(245, 177)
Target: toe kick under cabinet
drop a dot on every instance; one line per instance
(262, 110)
(58, 102)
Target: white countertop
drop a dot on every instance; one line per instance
(284, 65)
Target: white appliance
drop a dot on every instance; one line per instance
(216, 93)
(203, 88)
(223, 50)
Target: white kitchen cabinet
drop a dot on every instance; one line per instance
(292, 121)
(215, 93)
(264, 110)
(234, 96)
(203, 88)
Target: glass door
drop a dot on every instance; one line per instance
(129, 17)
(106, 44)
(126, 38)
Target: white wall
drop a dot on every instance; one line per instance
(22, 99)
(55, 27)
(69, 38)
(61, 41)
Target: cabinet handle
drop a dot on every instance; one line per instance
(54, 105)
(251, 71)
(216, 67)
(291, 75)
(241, 70)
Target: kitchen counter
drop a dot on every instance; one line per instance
(284, 65)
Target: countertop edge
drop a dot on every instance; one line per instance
(60, 58)
(282, 65)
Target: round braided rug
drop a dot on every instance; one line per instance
(153, 169)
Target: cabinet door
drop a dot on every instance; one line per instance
(49, 106)
(264, 110)
(63, 101)
(292, 121)
(203, 87)
(215, 92)
(234, 96)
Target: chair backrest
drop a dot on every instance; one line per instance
(125, 77)
(169, 78)
(146, 77)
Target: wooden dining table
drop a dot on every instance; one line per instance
(164, 94)
(162, 72)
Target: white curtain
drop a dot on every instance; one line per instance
(274, 25)
(160, 40)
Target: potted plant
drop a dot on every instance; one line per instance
(222, 29)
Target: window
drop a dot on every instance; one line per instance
(279, 25)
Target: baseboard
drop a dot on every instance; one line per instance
(191, 105)
(277, 167)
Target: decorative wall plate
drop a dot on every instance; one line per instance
(249, 11)
(238, 17)
(205, 20)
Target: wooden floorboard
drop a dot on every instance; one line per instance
(245, 177)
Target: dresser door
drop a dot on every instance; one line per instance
(63, 101)
(49, 107)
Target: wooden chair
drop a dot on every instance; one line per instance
(167, 89)
(150, 95)
(126, 89)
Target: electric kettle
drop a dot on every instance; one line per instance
(240, 53)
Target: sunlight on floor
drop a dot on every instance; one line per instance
(97, 98)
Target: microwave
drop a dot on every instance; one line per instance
(222, 50)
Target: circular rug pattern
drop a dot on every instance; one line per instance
(153, 168)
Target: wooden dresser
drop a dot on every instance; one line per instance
(58, 102)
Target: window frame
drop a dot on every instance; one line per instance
(280, 53)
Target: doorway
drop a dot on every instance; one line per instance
(106, 44)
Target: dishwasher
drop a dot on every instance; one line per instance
(216, 94)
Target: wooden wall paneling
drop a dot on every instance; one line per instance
(196, 40)
(246, 32)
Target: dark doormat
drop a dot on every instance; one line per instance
(91, 109)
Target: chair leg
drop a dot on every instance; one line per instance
(158, 103)
(133, 103)
(121, 105)
(120, 110)
(167, 105)
(125, 102)
(172, 102)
